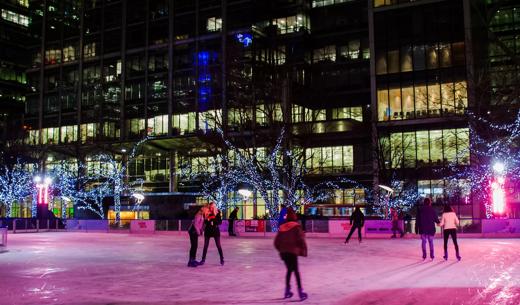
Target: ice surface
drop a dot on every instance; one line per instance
(100, 268)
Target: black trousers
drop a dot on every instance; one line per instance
(194, 242)
(231, 226)
(217, 243)
(291, 263)
(396, 228)
(453, 233)
(354, 227)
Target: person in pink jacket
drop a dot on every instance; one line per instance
(449, 223)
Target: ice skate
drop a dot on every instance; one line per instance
(192, 263)
(222, 262)
(202, 261)
(458, 257)
(303, 295)
(288, 294)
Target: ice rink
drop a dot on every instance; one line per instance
(101, 268)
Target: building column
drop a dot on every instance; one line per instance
(173, 172)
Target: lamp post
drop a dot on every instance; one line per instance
(498, 194)
(389, 191)
(245, 195)
(42, 199)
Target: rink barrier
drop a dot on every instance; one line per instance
(313, 227)
(3, 239)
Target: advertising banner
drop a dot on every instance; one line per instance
(339, 227)
(142, 226)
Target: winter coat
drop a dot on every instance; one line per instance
(426, 219)
(449, 220)
(357, 218)
(282, 217)
(291, 239)
(211, 225)
(197, 224)
(233, 215)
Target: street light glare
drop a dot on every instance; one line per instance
(245, 193)
(37, 179)
(499, 167)
(47, 180)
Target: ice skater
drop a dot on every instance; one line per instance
(231, 222)
(195, 230)
(290, 242)
(425, 225)
(449, 223)
(211, 229)
(357, 221)
(395, 224)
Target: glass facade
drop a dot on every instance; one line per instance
(111, 72)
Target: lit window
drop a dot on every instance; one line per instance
(327, 53)
(292, 24)
(16, 18)
(214, 24)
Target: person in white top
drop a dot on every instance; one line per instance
(449, 223)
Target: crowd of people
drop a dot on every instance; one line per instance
(290, 238)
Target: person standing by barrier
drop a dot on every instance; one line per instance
(290, 243)
(231, 222)
(211, 229)
(425, 225)
(449, 223)
(395, 224)
(283, 215)
(357, 221)
(195, 230)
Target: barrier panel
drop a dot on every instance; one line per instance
(341, 228)
(87, 225)
(142, 226)
(3, 233)
(380, 226)
(500, 225)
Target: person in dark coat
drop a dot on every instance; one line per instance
(282, 216)
(357, 221)
(290, 243)
(231, 222)
(395, 224)
(211, 229)
(195, 231)
(425, 226)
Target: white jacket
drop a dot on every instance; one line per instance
(449, 220)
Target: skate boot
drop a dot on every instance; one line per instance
(192, 263)
(288, 294)
(222, 262)
(202, 261)
(445, 256)
(303, 295)
(346, 241)
(431, 255)
(458, 257)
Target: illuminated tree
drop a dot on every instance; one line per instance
(15, 185)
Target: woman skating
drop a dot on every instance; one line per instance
(195, 231)
(449, 223)
(290, 242)
(211, 229)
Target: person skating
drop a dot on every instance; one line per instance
(425, 226)
(211, 229)
(357, 220)
(195, 230)
(449, 223)
(290, 243)
(231, 222)
(395, 224)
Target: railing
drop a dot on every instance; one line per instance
(247, 227)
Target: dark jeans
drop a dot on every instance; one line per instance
(194, 242)
(429, 238)
(206, 244)
(396, 228)
(291, 263)
(453, 233)
(231, 227)
(354, 227)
